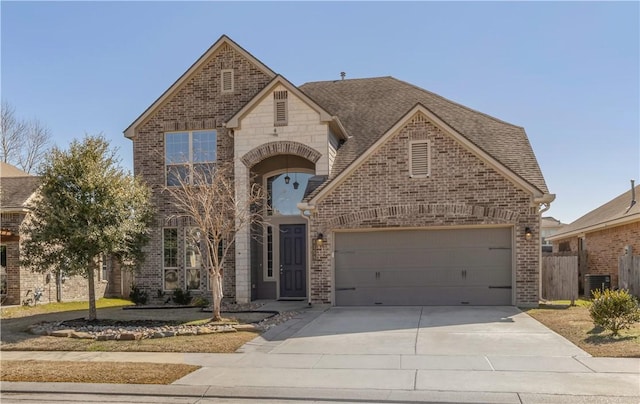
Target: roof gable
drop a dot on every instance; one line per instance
(613, 213)
(235, 121)
(368, 108)
(223, 40)
(323, 191)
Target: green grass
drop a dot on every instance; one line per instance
(578, 303)
(22, 311)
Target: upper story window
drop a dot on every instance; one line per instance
(419, 159)
(226, 81)
(187, 153)
(280, 108)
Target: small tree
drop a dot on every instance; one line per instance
(86, 206)
(206, 197)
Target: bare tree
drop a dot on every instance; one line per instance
(35, 146)
(206, 197)
(13, 130)
(24, 143)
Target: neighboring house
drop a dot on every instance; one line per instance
(603, 234)
(379, 192)
(550, 226)
(16, 189)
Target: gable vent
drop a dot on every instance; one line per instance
(419, 159)
(226, 78)
(280, 108)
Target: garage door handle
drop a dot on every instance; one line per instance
(499, 287)
(345, 289)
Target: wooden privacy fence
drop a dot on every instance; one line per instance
(560, 277)
(629, 272)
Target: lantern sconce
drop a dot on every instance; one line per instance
(527, 233)
(320, 240)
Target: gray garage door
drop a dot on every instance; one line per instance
(424, 267)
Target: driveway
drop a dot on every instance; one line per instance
(417, 353)
(456, 331)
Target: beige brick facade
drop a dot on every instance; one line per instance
(198, 104)
(461, 191)
(22, 282)
(604, 247)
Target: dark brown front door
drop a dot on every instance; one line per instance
(293, 266)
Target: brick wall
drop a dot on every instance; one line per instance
(604, 247)
(462, 190)
(20, 279)
(198, 104)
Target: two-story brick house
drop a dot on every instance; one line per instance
(378, 192)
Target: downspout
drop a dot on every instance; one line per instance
(305, 207)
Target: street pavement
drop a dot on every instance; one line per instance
(376, 354)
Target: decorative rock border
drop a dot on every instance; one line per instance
(132, 333)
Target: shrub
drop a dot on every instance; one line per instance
(614, 310)
(181, 297)
(200, 301)
(137, 295)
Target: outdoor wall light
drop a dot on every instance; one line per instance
(320, 240)
(287, 179)
(527, 233)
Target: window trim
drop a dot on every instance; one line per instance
(189, 163)
(428, 159)
(187, 267)
(176, 268)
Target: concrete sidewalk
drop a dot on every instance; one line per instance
(389, 354)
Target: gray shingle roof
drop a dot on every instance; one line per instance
(16, 187)
(615, 209)
(370, 107)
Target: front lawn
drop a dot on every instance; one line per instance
(25, 311)
(575, 324)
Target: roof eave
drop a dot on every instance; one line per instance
(634, 217)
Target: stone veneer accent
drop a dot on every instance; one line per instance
(282, 147)
(461, 191)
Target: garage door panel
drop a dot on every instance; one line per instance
(426, 267)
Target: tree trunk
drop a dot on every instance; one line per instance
(216, 289)
(93, 313)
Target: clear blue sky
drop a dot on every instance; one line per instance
(567, 72)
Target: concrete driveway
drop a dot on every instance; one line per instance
(451, 331)
(492, 354)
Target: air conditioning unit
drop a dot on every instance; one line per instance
(596, 282)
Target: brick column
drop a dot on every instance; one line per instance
(243, 250)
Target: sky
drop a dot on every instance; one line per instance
(568, 72)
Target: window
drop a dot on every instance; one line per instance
(187, 153)
(226, 81)
(419, 159)
(283, 196)
(193, 259)
(269, 252)
(3, 270)
(280, 113)
(170, 258)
